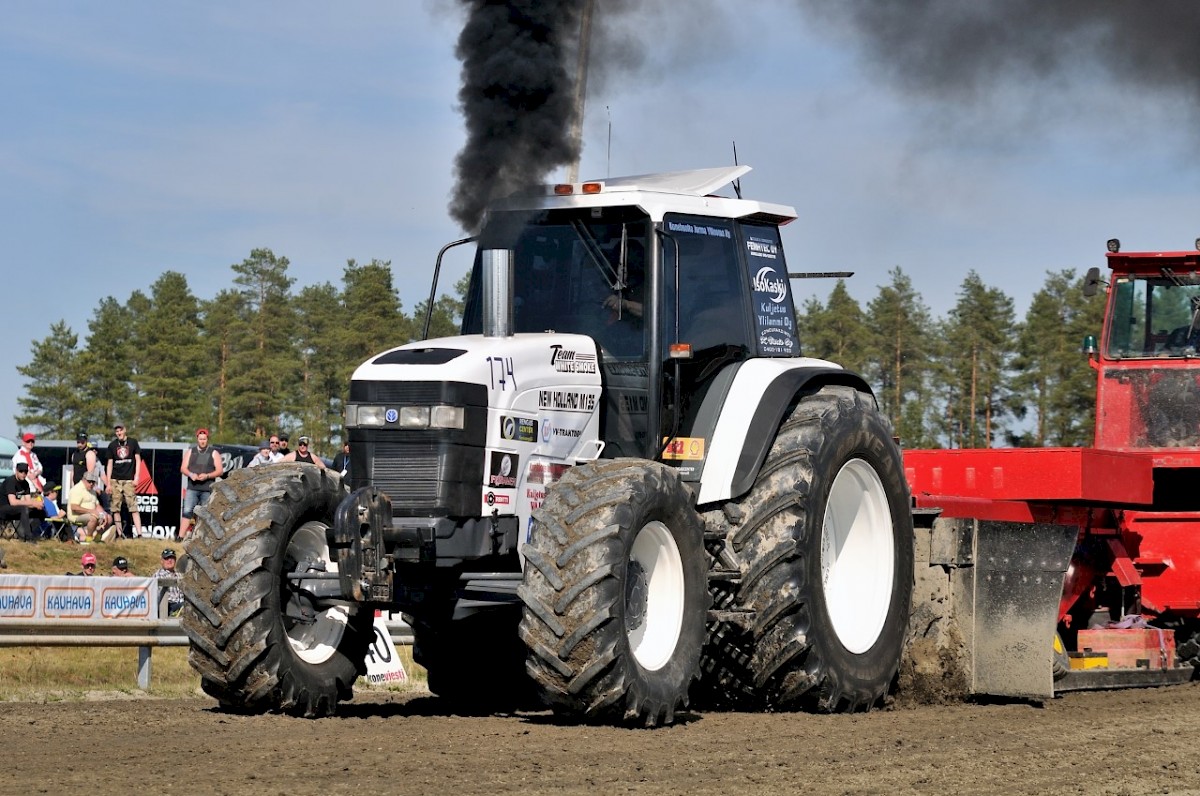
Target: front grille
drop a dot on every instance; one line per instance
(407, 473)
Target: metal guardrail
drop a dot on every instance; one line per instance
(145, 634)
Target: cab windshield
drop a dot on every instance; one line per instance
(1155, 317)
(579, 271)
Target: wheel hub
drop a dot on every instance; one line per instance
(636, 596)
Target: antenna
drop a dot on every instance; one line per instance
(608, 110)
(737, 184)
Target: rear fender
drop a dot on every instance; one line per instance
(761, 394)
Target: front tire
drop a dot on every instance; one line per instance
(259, 639)
(823, 545)
(615, 595)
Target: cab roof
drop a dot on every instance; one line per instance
(657, 194)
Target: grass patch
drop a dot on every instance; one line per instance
(37, 673)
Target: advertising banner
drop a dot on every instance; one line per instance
(77, 597)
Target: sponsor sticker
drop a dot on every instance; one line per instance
(502, 471)
(684, 449)
(496, 500)
(564, 360)
(519, 429)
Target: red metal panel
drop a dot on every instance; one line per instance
(1166, 551)
(1036, 474)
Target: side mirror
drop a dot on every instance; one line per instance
(1091, 282)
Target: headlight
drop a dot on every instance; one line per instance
(446, 417)
(414, 417)
(371, 416)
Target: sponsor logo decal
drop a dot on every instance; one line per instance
(545, 472)
(496, 500)
(547, 429)
(765, 281)
(391, 416)
(684, 449)
(502, 472)
(564, 360)
(520, 429)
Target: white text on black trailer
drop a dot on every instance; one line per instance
(622, 478)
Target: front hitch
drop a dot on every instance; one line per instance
(356, 542)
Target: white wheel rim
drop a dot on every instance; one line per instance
(655, 637)
(857, 548)
(317, 642)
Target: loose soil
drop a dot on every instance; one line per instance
(1128, 742)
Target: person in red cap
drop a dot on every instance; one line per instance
(201, 465)
(26, 454)
(88, 561)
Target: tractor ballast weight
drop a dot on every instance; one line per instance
(620, 487)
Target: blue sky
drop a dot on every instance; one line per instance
(143, 137)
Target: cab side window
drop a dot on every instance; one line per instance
(712, 307)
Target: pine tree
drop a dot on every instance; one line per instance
(263, 363)
(980, 339)
(836, 331)
(373, 318)
(321, 390)
(901, 341)
(1054, 378)
(106, 367)
(173, 380)
(51, 400)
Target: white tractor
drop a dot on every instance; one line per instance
(622, 483)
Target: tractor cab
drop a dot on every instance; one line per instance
(677, 288)
(1148, 392)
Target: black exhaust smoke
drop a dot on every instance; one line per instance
(516, 98)
(962, 51)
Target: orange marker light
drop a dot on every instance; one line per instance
(563, 189)
(681, 351)
(592, 187)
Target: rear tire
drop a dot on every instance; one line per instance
(259, 641)
(823, 543)
(615, 595)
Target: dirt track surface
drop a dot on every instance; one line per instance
(1130, 742)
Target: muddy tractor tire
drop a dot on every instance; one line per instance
(823, 546)
(615, 594)
(260, 640)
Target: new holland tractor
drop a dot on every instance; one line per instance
(622, 482)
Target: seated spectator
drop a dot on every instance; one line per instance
(174, 594)
(120, 567)
(86, 515)
(54, 524)
(17, 502)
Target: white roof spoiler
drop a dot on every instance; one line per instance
(696, 182)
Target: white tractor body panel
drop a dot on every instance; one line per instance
(544, 396)
(729, 437)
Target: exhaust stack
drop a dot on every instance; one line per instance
(497, 292)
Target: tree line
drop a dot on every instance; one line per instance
(262, 356)
(257, 358)
(978, 377)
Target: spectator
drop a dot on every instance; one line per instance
(26, 454)
(174, 594)
(302, 454)
(53, 525)
(3, 562)
(85, 513)
(341, 462)
(81, 460)
(265, 454)
(124, 461)
(120, 567)
(283, 450)
(17, 502)
(202, 465)
(88, 562)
